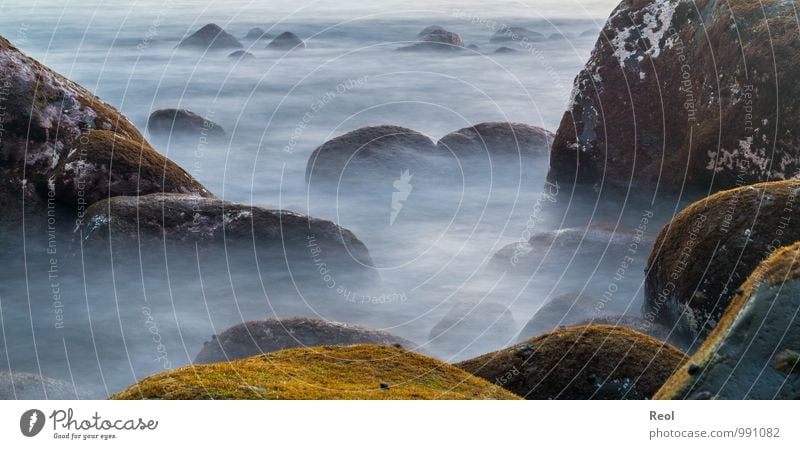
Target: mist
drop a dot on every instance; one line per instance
(111, 315)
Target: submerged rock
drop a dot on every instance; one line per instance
(498, 139)
(436, 38)
(563, 310)
(505, 51)
(753, 352)
(210, 37)
(583, 362)
(652, 110)
(183, 124)
(516, 34)
(28, 386)
(257, 33)
(286, 41)
(471, 328)
(369, 154)
(702, 256)
(325, 372)
(241, 54)
(258, 337)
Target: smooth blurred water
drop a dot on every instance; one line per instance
(437, 250)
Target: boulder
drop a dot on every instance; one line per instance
(502, 139)
(436, 38)
(471, 328)
(183, 124)
(52, 129)
(325, 372)
(516, 34)
(752, 353)
(210, 37)
(560, 311)
(286, 41)
(369, 154)
(28, 386)
(641, 325)
(505, 51)
(188, 219)
(241, 54)
(257, 33)
(683, 95)
(431, 29)
(105, 164)
(259, 337)
(702, 256)
(583, 362)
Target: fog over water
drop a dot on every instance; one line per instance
(120, 324)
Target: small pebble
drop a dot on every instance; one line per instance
(384, 386)
(693, 369)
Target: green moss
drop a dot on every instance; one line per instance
(782, 266)
(581, 362)
(325, 372)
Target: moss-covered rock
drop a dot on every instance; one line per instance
(583, 362)
(752, 352)
(711, 247)
(50, 125)
(685, 94)
(326, 372)
(106, 164)
(210, 37)
(259, 337)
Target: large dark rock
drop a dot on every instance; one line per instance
(56, 133)
(211, 37)
(650, 328)
(710, 248)
(286, 41)
(752, 353)
(369, 154)
(676, 93)
(183, 124)
(258, 337)
(516, 34)
(178, 219)
(584, 362)
(105, 164)
(501, 139)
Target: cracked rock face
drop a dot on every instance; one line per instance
(259, 337)
(685, 92)
(57, 140)
(753, 351)
(705, 253)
